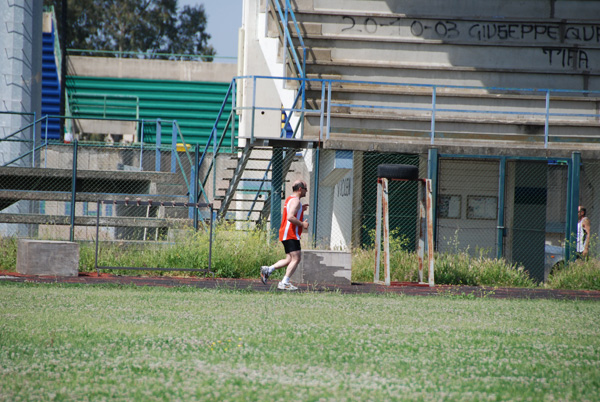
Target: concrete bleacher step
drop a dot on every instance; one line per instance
(372, 42)
(20, 183)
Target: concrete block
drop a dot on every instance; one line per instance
(44, 257)
(322, 267)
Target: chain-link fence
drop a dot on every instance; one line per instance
(521, 209)
(518, 208)
(38, 202)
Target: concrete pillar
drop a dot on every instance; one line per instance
(21, 73)
(20, 90)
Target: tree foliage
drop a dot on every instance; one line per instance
(145, 26)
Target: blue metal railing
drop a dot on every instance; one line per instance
(325, 104)
(217, 140)
(327, 89)
(322, 107)
(288, 44)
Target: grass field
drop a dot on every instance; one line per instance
(69, 342)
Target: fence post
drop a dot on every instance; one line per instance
(158, 143)
(501, 195)
(432, 174)
(382, 225)
(572, 218)
(141, 137)
(73, 191)
(174, 147)
(276, 183)
(194, 192)
(315, 194)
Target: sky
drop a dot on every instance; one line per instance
(224, 20)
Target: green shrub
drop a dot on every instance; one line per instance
(464, 269)
(581, 274)
(404, 263)
(450, 269)
(8, 253)
(239, 254)
(235, 253)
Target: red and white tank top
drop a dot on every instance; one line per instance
(289, 231)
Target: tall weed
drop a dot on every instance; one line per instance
(235, 253)
(238, 254)
(459, 268)
(580, 274)
(8, 253)
(464, 269)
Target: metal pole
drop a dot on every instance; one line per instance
(233, 89)
(432, 174)
(328, 108)
(430, 256)
(173, 147)
(422, 228)
(377, 233)
(386, 231)
(276, 186)
(34, 138)
(210, 240)
(73, 190)
(501, 195)
(194, 196)
(547, 122)
(158, 144)
(46, 143)
(285, 41)
(574, 195)
(64, 35)
(97, 231)
(253, 109)
(568, 214)
(315, 194)
(142, 146)
(433, 107)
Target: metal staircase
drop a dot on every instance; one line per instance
(260, 173)
(51, 94)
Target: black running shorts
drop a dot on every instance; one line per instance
(291, 245)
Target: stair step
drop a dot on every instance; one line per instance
(243, 200)
(243, 179)
(249, 169)
(244, 190)
(242, 210)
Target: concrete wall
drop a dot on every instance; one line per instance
(151, 69)
(510, 44)
(335, 199)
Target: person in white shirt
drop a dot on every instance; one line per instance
(583, 234)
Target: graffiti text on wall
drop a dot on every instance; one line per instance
(546, 36)
(480, 30)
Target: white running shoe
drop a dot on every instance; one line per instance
(286, 286)
(264, 274)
